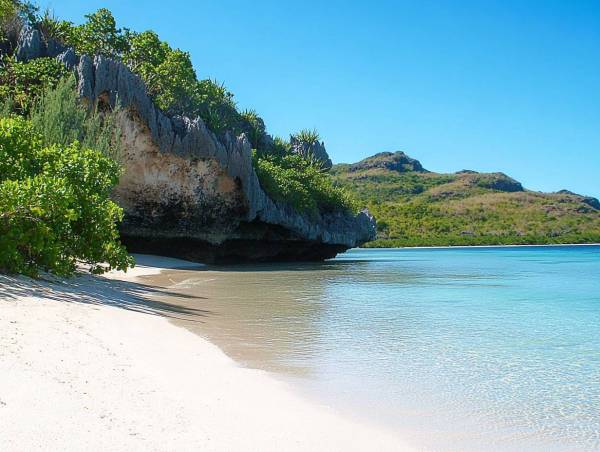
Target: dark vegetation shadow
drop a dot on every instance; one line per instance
(94, 290)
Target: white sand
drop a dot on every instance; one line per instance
(87, 365)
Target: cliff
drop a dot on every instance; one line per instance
(189, 193)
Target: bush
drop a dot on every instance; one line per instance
(60, 118)
(55, 209)
(23, 83)
(308, 136)
(301, 183)
(7, 11)
(98, 35)
(53, 28)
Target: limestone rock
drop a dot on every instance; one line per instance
(589, 200)
(29, 45)
(188, 193)
(69, 59)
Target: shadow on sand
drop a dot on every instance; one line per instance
(94, 290)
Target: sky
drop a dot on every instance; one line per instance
(511, 86)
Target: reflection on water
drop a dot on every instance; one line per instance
(458, 348)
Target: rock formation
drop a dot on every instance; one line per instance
(589, 200)
(189, 193)
(393, 161)
(493, 181)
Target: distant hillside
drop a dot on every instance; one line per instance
(416, 207)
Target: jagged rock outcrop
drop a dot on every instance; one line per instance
(29, 45)
(589, 200)
(314, 150)
(393, 161)
(189, 193)
(493, 181)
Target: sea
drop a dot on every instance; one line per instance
(486, 348)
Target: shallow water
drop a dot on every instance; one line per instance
(470, 349)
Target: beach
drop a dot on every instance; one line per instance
(91, 363)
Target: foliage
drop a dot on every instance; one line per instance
(24, 82)
(7, 10)
(14, 15)
(215, 105)
(6, 107)
(430, 209)
(98, 35)
(54, 205)
(255, 128)
(24, 10)
(280, 147)
(60, 118)
(294, 180)
(169, 75)
(59, 30)
(172, 82)
(307, 136)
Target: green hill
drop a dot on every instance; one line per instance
(416, 207)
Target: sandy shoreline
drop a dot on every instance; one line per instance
(90, 364)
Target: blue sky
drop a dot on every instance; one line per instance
(510, 86)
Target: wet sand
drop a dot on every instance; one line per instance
(247, 312)
(94, 363)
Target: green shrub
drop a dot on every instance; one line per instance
(55, 209)
(23, 83)
(53, 28)
(98, 35)
(60, 118)
(7, 11)
(307, 136)
(300, 183)
(24, 10)
(255, 129)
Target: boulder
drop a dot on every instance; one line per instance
(494, 181)
(393, 161)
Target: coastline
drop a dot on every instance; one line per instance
(93, 363)
(438, 247)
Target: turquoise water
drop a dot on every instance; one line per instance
(488, 347)
(456, 349)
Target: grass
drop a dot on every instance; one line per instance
(432, 209)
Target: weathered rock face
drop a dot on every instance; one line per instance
(188, 193)
(589, 200)
(493, 181)
(393, 161)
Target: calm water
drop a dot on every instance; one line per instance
(469, 349)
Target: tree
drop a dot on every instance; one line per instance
(100, 35)
(168, 73)
(55, 208)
